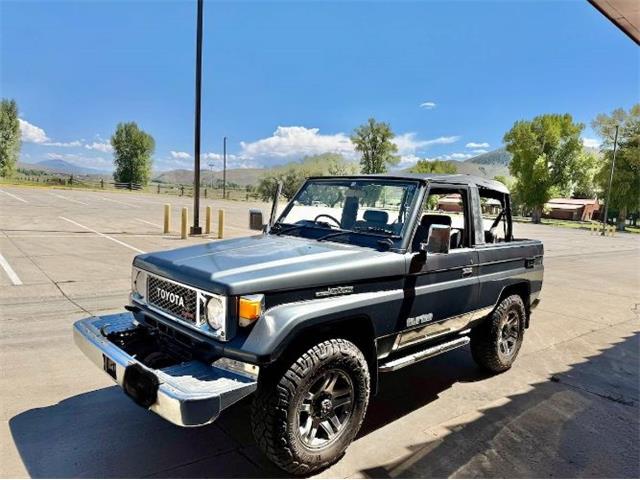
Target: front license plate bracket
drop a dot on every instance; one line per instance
(109, 366)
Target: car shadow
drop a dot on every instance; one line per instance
(582, 423)
(104, 434)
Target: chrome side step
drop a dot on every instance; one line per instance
(402, 362)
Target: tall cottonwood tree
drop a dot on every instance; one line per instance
(373, 141)
(625, 186)
(545, 151)
(9, 137)
(132, 151)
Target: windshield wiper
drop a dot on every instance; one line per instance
(379, 232)
(284, 229)
(335, 234)
(357, 232)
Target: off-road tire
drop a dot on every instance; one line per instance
(275, 411)
(486, 337)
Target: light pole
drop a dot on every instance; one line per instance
(613, 165)
(196, 229)
(224, 168)
(211, 165)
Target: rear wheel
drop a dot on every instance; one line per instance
(496, 342)
(305, 415)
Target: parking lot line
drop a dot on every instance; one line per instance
(150, 223)
(14, 196)
(68, 199)
(103, 235)
(121, 203)
(13, 276)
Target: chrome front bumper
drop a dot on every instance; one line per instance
(188, 394)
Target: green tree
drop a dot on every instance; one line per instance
(293, 175)
(9, 137)
(544, 153)
(434, 166)
(625, 186)
(132, 150)
(373, 141)
(583, 178)
(502, 179)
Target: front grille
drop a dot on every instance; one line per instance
(175, 299)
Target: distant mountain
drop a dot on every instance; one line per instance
(496, 157)
(62, 166)
(240, 176)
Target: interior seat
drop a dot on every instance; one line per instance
(374, 218)
(423, 229)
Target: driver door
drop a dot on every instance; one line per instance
(445, 285)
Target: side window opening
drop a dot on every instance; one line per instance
(494, 217)
(447, 206)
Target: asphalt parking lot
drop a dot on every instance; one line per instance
(569, 408)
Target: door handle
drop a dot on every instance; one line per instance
(466, 271)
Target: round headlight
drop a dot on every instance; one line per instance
(215, 313)
(140, 283)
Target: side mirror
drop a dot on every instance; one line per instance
(437, 240)
(255, 219)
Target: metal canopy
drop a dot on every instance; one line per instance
(625, 14)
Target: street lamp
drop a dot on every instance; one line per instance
(196, 229)
(211, 165)
(613, 165)
(224, 168)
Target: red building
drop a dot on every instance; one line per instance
(583, 209)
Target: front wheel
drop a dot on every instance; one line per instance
(496, 342)
(305, 418)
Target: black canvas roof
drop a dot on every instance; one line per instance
(450, 178)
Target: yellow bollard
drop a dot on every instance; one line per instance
(220, 223)
(184, 222)
(167, 218)
(207, 224)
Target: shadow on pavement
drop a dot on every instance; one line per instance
(581, 423)
(104, 434)
(584, 422)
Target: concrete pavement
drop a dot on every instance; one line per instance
(568, 408)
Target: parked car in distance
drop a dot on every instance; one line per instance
(358, 276)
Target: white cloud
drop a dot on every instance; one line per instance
(31, 133)
(477, 145)
(104, 147)
(408, 143)
(479, 151)
(292, 143)
(428, 105)
(180, 155)
(591, 142)
(75, 143)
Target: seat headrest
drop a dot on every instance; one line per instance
(376, 216)
(435, 219)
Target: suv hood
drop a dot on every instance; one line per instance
(265, 263)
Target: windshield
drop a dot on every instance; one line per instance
(363, 212)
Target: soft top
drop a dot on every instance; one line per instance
(449, 178)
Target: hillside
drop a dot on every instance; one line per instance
(61, 166)
(496, 157)
(240, 176)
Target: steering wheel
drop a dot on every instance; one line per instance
(315, 220)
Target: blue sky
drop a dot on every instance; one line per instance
(285, 79)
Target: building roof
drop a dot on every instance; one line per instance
(574, 201)
(564, 206)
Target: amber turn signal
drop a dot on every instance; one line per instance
(250, 308)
